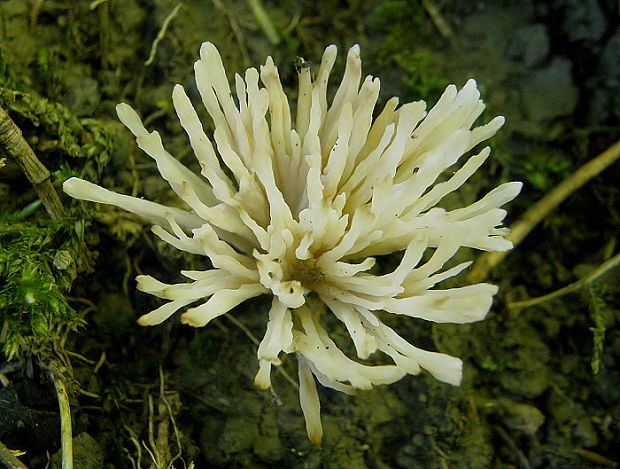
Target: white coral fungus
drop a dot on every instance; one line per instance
(298, 206)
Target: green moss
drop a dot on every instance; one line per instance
(598, 311)
(37, 267)
(58, 131)
(543, 169)
(419, 72)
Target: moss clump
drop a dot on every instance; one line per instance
(599, 313)
(37, 266)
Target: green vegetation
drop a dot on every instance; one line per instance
(599, 311)
(37, 268)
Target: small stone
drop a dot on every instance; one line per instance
(519, 416)
(584, 20)
(83, 96)
(529, 45)
(549, 92)
(62, 259)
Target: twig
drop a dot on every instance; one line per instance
(151, 433)
(442, 26)
(293, 24)
(9, 459)
(522, 460)
(17, 148)
(176, 433)
(80, 357)
(100, 362)
(243, 327)
(66, 433)
(158, 438)
(591, 277)
(88, 393)
(162, 33)
(34, 14)
(247, 332)
(595, 457)
(84, 301)
(132, 437)
(148, 120)
(532, 217)
(96, 3)
(234, 25)
(264, 21)
(104, 33)
(163, 427)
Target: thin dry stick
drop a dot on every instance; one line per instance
(247, 332)
(595, 457)
(34, 14)
(264, 21)
(9, 459)
(152, 450)
(176, 433)
(96, 3)
(243, 327)
(520, 456)
(520, 229)
(66, 432)
(442, 26)
(100, 362)
(161, 34)
(17, 148)
(136, 464)
(162, 449)
(234, 25)
(600, 270)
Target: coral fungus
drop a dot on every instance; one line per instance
(298, 207)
